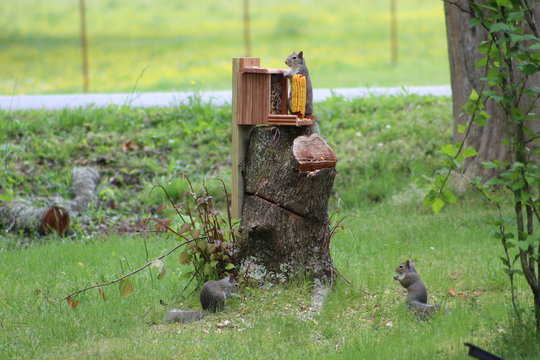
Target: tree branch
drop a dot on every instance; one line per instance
(107, 283)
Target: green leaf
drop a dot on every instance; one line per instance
(474, 95)
(495, 181)
(195, 233)
(484, 47)
(505, 3)
(470, 152)
(449, 149)
(207, 269)
(187, 275)
(529, 69)
(493, 77)
(474, 22)
(512, 272)
(523, 245)
(482, 118)
(489, 165)
(184, 228)
(515, 16)
(160, 266)
(185, 257)
(202, 244)
(518, 37)
(500, 26)
(449, 196)
(462, 128)
(437, 205)
(482, 62)
(162, 273)
(126, 287)
(229, 266)
(504, 261)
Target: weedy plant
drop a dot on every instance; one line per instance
(212, 255)
(511, 57)
(208, 240)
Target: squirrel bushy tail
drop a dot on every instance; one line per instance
(212, 297)
(183, 316)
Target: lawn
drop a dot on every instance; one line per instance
(177, 45)
(385, 145)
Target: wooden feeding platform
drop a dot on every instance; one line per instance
(260, 96)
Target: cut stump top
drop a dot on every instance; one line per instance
(313, 153)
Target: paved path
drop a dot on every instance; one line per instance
(25, 102)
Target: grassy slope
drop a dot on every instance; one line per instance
(384, 144)
(361, 321)
(39, 148)
(188, 45)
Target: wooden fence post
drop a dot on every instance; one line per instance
(393, 33)
(240, 136)
(247, 30)
(84, 46)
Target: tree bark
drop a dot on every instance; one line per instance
(284, 229)
(463, 42)
(46, 215)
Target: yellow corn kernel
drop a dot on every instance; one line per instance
(298, 96)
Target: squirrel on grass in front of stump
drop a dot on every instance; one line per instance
(212, 297)
(417, 295)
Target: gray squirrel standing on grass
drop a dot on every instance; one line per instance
(298, 65)
(417, 295)
(212, 297)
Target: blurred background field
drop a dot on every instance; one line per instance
(177, 45)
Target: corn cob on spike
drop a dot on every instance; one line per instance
(298, 95)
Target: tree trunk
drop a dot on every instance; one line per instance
(46, 215)
(463, 42)
(284, 230)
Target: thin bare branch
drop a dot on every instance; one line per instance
(107, 283)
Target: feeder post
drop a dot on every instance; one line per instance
(240, 133)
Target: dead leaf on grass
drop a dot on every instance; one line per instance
(453, 292)
(72, 302)
(129, 145)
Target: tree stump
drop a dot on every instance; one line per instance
(288, 177)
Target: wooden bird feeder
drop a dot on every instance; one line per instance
(260, 96)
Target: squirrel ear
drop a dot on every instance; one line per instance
(408, 263)
(301, 54)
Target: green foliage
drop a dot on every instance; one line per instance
(212, 254)
(383, 143)
(135, 149)
(510, 57)
(188, 45)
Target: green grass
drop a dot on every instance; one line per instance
(179, 45)
(39, 148)
(364, 320)
(385, 146)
